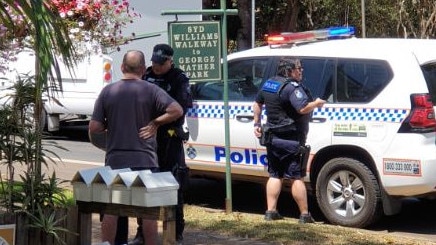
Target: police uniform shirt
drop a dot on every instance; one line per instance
(176, 84)
(298, 96)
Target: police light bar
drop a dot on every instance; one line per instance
(307, 36)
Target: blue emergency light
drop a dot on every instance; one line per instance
(340, 31)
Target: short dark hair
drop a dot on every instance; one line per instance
(133, 61)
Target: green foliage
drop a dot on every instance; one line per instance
(21, 138)
(47, 220)
(391, 18)
(36, 194)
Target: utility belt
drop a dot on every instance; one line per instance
(178, 132)
(288, 131)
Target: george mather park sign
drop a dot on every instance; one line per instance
(197, 49)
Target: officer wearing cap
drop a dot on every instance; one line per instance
(171, 137)
(288, 105)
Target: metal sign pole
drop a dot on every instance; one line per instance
(223, 12)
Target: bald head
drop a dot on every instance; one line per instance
(134, 62)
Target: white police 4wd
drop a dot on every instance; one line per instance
(374, 141)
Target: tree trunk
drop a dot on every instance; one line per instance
(244, 32)
(291, 16)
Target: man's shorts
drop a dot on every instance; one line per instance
(282, 159)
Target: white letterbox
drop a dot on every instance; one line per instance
(121, 192)
(101, 184)
(82, 183)
(154, 189)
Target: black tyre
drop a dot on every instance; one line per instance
(348, 193)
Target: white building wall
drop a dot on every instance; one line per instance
(152, 21)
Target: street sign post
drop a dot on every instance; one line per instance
(223, 12)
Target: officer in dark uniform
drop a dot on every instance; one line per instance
(288, 105)
(171, 137)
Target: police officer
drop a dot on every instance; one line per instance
(288, 105)
(170, 137)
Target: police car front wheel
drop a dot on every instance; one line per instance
(348, 193)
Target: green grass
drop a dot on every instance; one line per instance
(286, 231)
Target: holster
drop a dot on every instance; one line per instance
(266, 136)
(303, 155)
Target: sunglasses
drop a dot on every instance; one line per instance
(299, 68)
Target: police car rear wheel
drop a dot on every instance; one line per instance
(348, 193)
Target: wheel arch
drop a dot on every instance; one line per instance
(335, 151)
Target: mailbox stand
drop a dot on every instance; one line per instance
(155, 198)
(164, 213)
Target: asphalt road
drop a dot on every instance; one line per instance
(416, 219)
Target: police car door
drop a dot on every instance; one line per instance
(318, 77)
(205, 149)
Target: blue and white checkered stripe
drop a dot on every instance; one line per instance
(362, 114)
(331, 113)
(217, 110)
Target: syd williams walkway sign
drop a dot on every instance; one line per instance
(197, 49)
(223, 12)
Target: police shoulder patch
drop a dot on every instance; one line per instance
(298, 94)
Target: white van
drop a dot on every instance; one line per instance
(80, 88)
(372, 144)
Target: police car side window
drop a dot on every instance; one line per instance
(318, 76)
(361, 80)
(244, 79)
(345, 80)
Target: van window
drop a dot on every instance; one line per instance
(429, 71)
(361, 80)
(244, 79)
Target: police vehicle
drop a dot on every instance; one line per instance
(372, 144)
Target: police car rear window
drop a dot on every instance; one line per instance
(361, 81)
(345, 80)
(429, 71)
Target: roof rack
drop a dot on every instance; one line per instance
(291, 38)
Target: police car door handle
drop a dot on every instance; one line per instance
(244, 118)
(318, 120)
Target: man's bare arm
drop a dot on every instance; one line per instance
(96, 127)
(172, 113)
(96, 131)
(257, 110)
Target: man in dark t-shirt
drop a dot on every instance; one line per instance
(129, 112)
